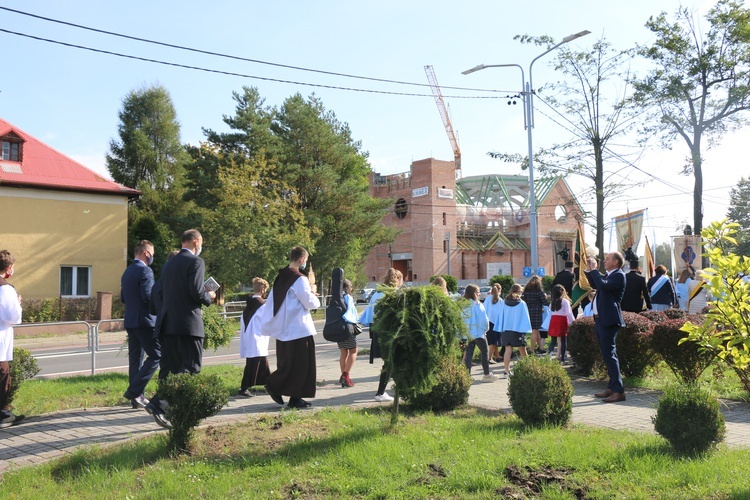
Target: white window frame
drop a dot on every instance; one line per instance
(74, 286)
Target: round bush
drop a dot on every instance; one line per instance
(23, 367)
(688, 416)
(583, 346)
(687, 360)
(450, 391)
(191, 399)
(540, 392)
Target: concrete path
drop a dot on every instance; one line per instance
(45, 437)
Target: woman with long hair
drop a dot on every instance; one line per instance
(535, 299)
(348, 347)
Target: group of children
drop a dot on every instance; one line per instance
(495, 327)
(504, 324)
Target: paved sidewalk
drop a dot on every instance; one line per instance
(45, 437)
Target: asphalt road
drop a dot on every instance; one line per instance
(76, 359)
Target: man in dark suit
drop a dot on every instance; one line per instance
(566, 278)
(636, 291)
(180, 318)
(136, 284)
(608, 319)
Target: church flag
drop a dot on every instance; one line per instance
(650, 267)
(628, 228)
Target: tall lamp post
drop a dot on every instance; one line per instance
(528, 122)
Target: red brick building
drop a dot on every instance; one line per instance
(482, 222)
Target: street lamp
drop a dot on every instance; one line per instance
(528, 123)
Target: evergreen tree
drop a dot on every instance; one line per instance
(302, 165)
(149, 154)
(150, 157)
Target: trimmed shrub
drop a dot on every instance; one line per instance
(687, 360)
(540, 392)
(219, 331)
(688, 416)
(583, 346)
(450, 391)
(191, 399)
(654, 316)
(49, 310)
(23, 367)
(634, 345)
(506, 281)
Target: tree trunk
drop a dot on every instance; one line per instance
(394, 410)
(599, 189)
(698, 187)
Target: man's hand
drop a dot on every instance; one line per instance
(592, 264)
(212, 295)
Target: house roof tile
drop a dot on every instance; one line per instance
(43, 167)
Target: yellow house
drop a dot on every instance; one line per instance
(66, 225)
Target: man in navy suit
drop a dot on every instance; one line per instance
(136, 284)
(182, 294)
(608, 319)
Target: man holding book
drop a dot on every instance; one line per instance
(180, 321)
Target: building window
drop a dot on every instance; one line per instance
(445, 219)
(401, 208)
(75, 281)
(11, 151)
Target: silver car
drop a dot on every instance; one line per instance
(363, 295)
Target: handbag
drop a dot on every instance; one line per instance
(354, 329)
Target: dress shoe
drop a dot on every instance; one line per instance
(11, 420)
(604, 394)
(245, 393)
(158, 415)
(616, 397)
(139, 402)
(298, 403)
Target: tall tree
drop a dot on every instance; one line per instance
(301, 164)
(591, 98)
(699, 85)
(739, 212)
(149, 154)
(150, 157)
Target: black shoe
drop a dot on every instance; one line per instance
(298, 404)
(10, 421)
(158, 415)
(245, 393)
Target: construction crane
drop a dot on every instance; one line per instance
(444, 115)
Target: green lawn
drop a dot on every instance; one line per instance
(345, 453)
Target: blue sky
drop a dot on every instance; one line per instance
(69, 98)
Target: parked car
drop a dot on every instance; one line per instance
(484, 292)
(364, 295)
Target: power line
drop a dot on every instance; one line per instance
(230, 73)
(239, 58)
